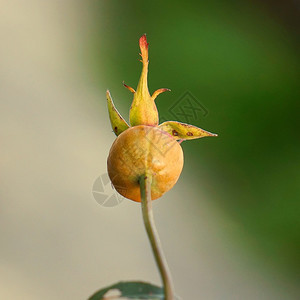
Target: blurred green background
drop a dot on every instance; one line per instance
(240, 60)
(230, 227)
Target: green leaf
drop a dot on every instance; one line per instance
(182, 131)
(130, 290)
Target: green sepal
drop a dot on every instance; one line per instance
(182, 131)
(118, 124)
(143, 110)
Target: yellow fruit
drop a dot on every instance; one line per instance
(141, 150)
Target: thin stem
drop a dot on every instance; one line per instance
(145, 186)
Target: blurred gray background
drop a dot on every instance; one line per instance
(57, 58)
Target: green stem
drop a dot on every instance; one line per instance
(145, 186)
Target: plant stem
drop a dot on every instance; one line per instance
(145, 186)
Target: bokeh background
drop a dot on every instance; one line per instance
(230, 227)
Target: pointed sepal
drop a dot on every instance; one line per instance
(159, 91)
(118, 124)
(132, 90)
(182, 131)
(143, 110)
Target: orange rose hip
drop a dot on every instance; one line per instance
(141, 150)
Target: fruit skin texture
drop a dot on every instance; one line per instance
(144, 150)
